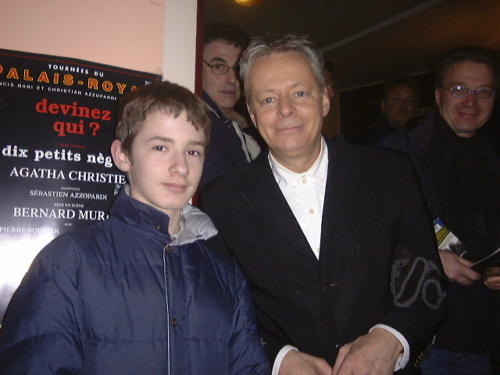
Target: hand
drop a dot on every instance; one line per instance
(492, 278)
(458, 269)
(298, 363)
(375, 353)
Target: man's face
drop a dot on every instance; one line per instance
(223, 89)
(468, 114)
(287, 106)
(399, 105)
(165, 162)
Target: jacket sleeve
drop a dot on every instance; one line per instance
(273, 341)
(268, 331)
(40, 331)
(246, 353)
(418, 286)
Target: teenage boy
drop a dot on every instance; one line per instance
(139, 293)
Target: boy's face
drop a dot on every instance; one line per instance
(165, 162)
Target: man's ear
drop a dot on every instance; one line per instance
(120, 157)
(325, 103)
(252, 115)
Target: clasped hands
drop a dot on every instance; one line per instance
(375, 353)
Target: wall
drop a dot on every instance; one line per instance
(156, 36)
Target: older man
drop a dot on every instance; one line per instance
(460, 174)
(333, 237)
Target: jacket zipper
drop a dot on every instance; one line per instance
(167, 308)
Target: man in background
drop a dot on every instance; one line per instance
(397, 108)
(460, 175)
(229, 146)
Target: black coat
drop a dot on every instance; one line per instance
(374, 225)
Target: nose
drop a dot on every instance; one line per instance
(285, 106)
(471, 99)
(179, 165)
(231, 76)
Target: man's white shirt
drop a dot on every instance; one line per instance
(305, 194)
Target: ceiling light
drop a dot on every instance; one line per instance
(247, 3)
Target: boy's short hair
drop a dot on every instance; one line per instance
(166, 97)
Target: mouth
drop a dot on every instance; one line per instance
(289, 127)
(228, 92)
(468, 115)
(175, 188)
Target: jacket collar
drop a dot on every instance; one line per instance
(213, 107)
(195, 225)
(260, 189)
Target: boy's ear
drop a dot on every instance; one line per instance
(120, 157)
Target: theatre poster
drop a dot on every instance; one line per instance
(57, 118)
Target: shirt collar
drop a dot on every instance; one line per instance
(318, 170)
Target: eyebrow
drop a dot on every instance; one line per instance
(293, 86)
(218, 60)
(461, 83)
(197, 143)
(160, 138)
(170, 140)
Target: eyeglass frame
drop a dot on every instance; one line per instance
(226, 68)
(469, 91)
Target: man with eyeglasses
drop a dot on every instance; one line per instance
(229, 146)
(460, 175)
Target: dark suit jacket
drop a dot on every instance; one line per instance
(374, 226)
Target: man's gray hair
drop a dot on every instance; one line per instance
(268, 45)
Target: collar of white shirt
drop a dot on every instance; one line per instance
(318, 170)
